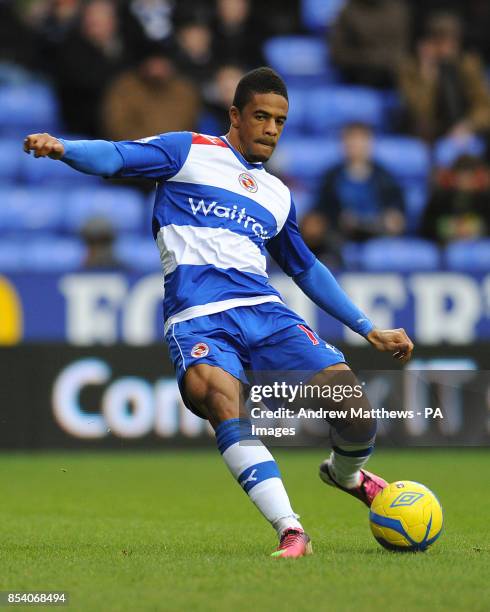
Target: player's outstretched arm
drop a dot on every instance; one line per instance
(98, 157)
(319, 285)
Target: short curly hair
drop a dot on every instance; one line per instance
(260, 80)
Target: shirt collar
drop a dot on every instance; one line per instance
(241, 159)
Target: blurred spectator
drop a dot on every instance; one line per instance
(60, 19)
(369, 40)
(145, 22)
(86, 63)
(194, 51)
(18, 41)
(323, 244)
(98, 236)
(238, 38)
(443, 87)
(278, 17)
(477, 19)
(149, 99)
(359, 198)
(153, 17)
(475, 16)
(459, 207)
(215, 119)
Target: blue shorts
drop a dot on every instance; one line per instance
(265, 338)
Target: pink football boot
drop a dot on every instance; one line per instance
(366, 490)
(294, 543)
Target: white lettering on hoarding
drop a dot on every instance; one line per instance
(377, 295)
(66, 398)
(129, 407)
(93, 302)
(140, 306)
(447, 307)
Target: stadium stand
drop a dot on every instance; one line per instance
(399, 255)
(29, 107)
(55, 254)
(45, 253)
(331, 107)
(407, 158)
(447, 150)
(318, 14)
(138, 253)
(42, 171)
(10, 159)
(51, 201)
(122, 206)
(23, 209)
(468, 256)
(294, 56)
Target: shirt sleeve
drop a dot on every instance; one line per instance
(158, 157)
(319, 285)
(289, 249)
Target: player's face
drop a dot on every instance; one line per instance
(259, 125)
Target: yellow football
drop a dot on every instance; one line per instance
(406, 516)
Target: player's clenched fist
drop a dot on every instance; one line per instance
(44, 145)
(395, 340)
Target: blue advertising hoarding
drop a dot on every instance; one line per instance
(110, 307)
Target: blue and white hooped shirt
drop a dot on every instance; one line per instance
(214, 216)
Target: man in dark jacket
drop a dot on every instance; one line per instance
(359, 198)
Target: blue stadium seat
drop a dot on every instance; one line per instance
(447, 150)
(10, 159)
(296, 113)
(399, 255)
(352, 255)
(468, 255)
(29, 107)
(31, 209)
(306, 158)
(53, 254)
(47, 253)
(138, 253)
(148, 204)
(416, 196)
(407, 158)
(304, 199)
(297, 55)
(319, 14)
(123, 206)
(331, 107)
(45, 170)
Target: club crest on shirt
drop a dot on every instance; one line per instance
(248, 182)
(201, 349)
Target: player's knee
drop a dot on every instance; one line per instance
(353, 431)
(354, 423)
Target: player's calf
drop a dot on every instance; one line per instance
(257, 473)
(352, 439)
(219, 396)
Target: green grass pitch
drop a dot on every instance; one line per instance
(173, 531)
